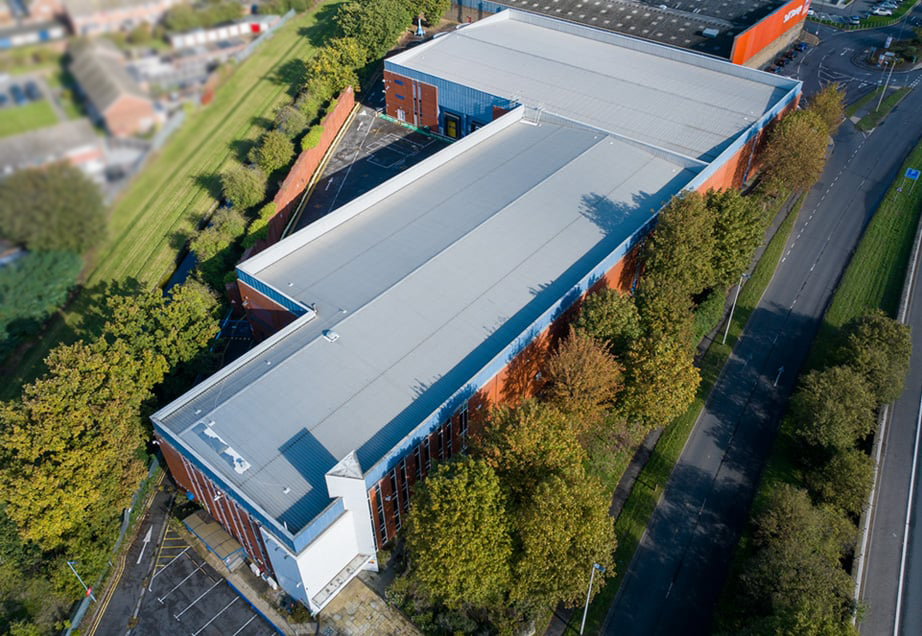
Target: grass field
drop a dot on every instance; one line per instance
(638, 508)
(152, 220)
(19, 119)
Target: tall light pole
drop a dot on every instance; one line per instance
(884, 91)
(89, 590)
(595, 566)
(743, 276)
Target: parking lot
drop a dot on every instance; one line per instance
(186, 596)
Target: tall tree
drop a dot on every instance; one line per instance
(681, 247)
(833, 407)
(844, 481)
(274, 151)
(795, 153)
(334, 67)
(177, 327)
(660, 381)
(739, 226)
(458, 535)
(432, 10)
(583, 379)
(526, 444)
(829, 105)
(562, 529)
(795, 569)
(69, 448)
(52, 208)
(243, 187)
(611, 317)
(374, 25)
(878, 347)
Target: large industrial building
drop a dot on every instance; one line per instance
(399, 316)
(748, 32)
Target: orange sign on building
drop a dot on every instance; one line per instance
(768, 29)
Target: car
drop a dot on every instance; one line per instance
(4, 100)
(802, 46)
(880, 11)
(854, 20)
(772, 69)
(780, 62)
(19, 98)
(32, 91)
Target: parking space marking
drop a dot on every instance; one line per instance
(242, 627)
(161, 569)
(212, 619)
(201, 596)
(177, 586)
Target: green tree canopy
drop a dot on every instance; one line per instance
(583, 379)
(333, 67)
(432, 10)
(795, 152)
(243, 187)
(666, 310)
(739, 226)
(52, 208)
(375, 26)
(177, 327)
(829, 105)
(878, 347)
(69, 448)
(290, 120)
(562, 530)
(844, 481)
(526, 444)
(33, 287)
(681, 247)
(611, 317)
(660, 381)
(458, 536)
(833, 407)
(274, 151)
(795, 570)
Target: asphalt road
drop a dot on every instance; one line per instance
(674, 579)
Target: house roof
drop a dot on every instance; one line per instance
(98, 67)
(38, 147)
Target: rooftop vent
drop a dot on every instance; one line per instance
(710, 33)
(330, 335)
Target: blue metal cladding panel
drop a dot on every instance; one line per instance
(319, 523)
(272, 294)
(482, 5)
(408, 443)
(458, 99)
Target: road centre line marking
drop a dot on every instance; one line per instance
(236, 598)
(201, 596)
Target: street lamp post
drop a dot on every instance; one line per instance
(887, 83)
(743, 276)
(89, 591)
(595, 566)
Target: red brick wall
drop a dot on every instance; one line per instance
(286, 201)
(265, 316)
(224, 510)
(418, 101)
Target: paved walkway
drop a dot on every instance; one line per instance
(358, 611)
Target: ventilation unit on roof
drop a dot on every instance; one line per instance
(330, 335)
(710, 33)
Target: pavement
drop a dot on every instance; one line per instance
(673, 581)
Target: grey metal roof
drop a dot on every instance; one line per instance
(98, 67)
(666, 97)
(38, 147)
(425, 281)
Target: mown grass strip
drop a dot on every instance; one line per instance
(634, 517)
(15, 120)
(872, 119)
(151, 221)
(859, 103)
